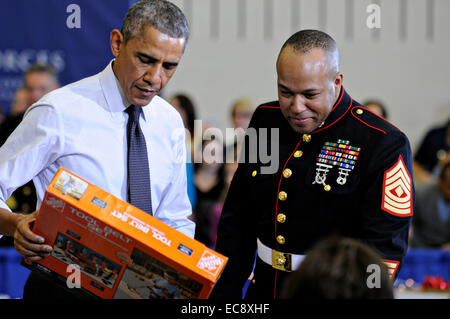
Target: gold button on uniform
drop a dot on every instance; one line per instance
(287, 173)
(359, 111)
(254, 173)
(26, 191)
(281, 218)
(306, 138)
(281, 260)
(327, 188)
(281, 240)
(282, 196)
(298, 154)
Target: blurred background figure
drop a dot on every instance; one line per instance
(337, 268)
(20, 103)
(377, 107)
(241, 114)
(209, 183)
(216, 209)
(38, 80)
(184, 105)
(213, 178)
(432, 154)
(431, 222)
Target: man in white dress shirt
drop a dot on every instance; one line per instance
(83, 127)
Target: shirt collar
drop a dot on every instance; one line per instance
(115, 96)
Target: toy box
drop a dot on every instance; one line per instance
(118, 250)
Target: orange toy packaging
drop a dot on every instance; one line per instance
(117, 250)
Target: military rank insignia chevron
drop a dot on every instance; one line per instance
(392, 267)
(397, 190)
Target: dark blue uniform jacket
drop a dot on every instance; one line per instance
(351, 177)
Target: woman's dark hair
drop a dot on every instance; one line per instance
(186, 104)
(337, 268)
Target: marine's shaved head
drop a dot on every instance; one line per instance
(306, 40)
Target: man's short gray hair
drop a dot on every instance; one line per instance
(164, 16)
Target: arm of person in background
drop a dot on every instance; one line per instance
(421, 175)
(236, 238)
(387, 206)
(35, 144)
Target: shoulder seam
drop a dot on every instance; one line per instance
(368, 125)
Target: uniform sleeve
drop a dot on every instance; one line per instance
(387, 206)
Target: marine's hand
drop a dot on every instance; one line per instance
(27, 243)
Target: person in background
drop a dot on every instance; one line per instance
(204, 179)
(184, 105)
(209, 183)
(216, 209)
(376, 107)
(38, 80)
(339, 268)
(241, 114)
(432, 154)
(431, 223)
(20, 102)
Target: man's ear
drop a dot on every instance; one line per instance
(116, 42)
(338, 80)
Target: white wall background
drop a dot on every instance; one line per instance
(405, 63)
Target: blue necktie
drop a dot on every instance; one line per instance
(138, 185)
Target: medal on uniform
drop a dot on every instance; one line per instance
(343, 173)
(321, 173)
(341, 155)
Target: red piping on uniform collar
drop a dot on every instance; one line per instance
(269, 107)
(323, 128)
(339, 100)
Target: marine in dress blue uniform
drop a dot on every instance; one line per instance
(350, 177)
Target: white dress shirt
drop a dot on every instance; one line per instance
(83, 128)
